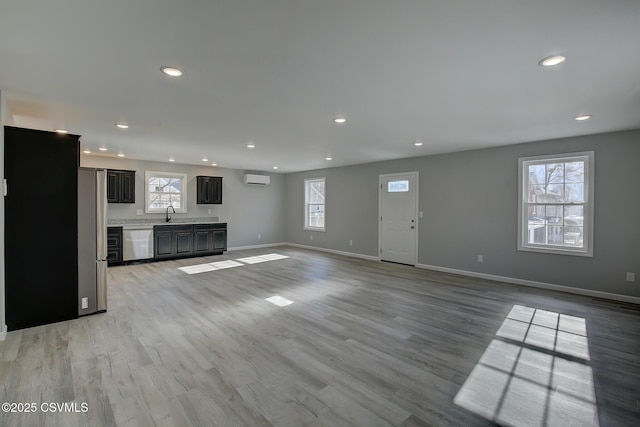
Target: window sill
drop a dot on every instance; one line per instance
(314, 229)
(558, 251)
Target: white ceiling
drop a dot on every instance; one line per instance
(457, 74)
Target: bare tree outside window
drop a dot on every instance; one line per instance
(165, 189)
(555, 201)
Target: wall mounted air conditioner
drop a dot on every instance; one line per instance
(252, 179)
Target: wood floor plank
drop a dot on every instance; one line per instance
(364, 343)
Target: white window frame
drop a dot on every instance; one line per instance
(183, 193)
(588, 205)
(307, 186)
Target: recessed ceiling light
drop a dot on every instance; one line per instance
(102, 148)
(171, 159)
(120, 154)
(62, 131)
(550, 61)
(204, 159)
(339, 120)
(275, 167)
(251, 145)
(582, 118)
(171, 71)
(122, 125)
(328, 158)
(86, 151)
(418, 143)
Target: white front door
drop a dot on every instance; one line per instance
(398, 222)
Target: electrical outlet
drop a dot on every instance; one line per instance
(259, 236)
(480, 258)
(420, 214)
(85, 303)
(139, 212)
(631, 277)
(311, 237)
(209, 211)
(350, 242)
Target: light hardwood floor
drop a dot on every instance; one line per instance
(364, 343)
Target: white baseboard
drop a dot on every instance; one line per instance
(523, 282)
(333, 251)
(266, 245)
(3, 333)
(542, 285)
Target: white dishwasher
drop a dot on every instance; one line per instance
(137, 243)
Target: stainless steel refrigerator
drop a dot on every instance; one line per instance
(92, 241)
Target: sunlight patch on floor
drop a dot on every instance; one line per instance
(279, 301)
(535, 372)
(220, 265)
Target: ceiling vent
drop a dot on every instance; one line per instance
(252, 179)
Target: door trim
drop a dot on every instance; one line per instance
(416, 175)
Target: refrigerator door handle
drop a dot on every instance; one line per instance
(101, 285)
(101, 214)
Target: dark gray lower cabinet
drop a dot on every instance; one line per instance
(202, 240)
(181, 241)
(163, 242)
(184, 241)
(210, 238)
(219, 240)
(114, 245)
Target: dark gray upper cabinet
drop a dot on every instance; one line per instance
(121, 186)
(209, 190)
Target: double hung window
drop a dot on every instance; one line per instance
(314, 204)
(556, 203)
(164, 189)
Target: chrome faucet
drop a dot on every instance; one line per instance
(168, 217)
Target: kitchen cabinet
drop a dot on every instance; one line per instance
(172, 241)
(162, 242)
(209, 190)
(182, 241)
(114, 246)
(210, 239)
(41, 170)
(121, 186)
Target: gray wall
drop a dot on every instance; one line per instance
(248, 210)
(469, 200)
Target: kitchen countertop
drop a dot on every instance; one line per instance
(148, 223)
